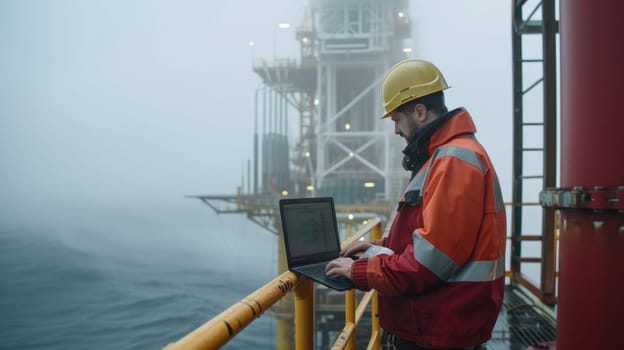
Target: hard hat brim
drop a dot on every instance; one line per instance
(386, 115)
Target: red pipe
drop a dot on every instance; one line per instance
(590, 311)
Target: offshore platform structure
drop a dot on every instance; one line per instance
(334, 145)
(341, 149)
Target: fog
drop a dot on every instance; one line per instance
(113, 111)
(113, 106)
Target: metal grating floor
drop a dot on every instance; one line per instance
(522, 323)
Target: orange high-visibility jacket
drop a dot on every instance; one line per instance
(444, 285)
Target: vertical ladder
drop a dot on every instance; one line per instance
(523, 128)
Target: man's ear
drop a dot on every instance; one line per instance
(421, 113)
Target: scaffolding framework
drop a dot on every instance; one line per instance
(342, 149)
(534, 140)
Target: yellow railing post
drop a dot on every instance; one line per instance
(376, 233)
(375, 327)
(285, 326)
(350, 316)
(238, 198)
(304, 315)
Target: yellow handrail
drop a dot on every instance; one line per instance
(225, 326)
(222, 328)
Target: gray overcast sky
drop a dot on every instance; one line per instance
(132, 101)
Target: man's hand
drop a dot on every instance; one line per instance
(339, 267)
(355, 248)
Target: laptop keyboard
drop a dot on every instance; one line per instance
(317, 270)
(317, 273)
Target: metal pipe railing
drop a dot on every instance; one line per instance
(225, 326)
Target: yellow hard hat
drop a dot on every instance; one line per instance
(408, 80)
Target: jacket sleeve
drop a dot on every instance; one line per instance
(452, 208)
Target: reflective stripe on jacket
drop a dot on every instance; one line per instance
(443, 287)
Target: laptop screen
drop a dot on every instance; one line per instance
(310, 230)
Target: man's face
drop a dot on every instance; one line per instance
(406, 124)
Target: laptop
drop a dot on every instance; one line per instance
(311, 238)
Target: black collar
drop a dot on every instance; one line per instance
(416, 152)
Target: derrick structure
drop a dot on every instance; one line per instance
(357, 156)
(316, 126)
(342, 149)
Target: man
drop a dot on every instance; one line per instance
(440, 276)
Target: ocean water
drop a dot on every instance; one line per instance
(133, 284)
